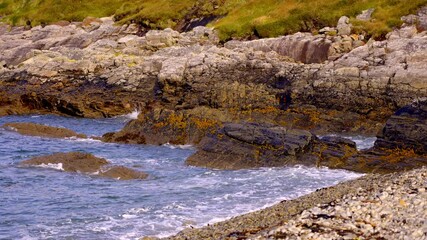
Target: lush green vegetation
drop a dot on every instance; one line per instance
(242, 18)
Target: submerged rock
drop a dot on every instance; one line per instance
(122, 173)
(85, 163)
(34, 129)
(71, 162)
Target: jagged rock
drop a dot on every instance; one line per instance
(74, 71)
(250, 145)
(33, 129)
(85, 163)
(406, 129)
(344, 26)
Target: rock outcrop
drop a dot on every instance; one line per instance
(100, 70)
(251, 145)
(73, 69)
(161, 126)
(248, 145)
(237, 146)
(406, 129)
(34, 129)
(86, 163)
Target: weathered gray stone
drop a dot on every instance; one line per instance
(344, 26)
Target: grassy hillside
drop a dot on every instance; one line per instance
(240, 18)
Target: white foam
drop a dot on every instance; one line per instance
(133, 115)
(57, 166)
(172, 146)
(129, 216)
(89, 140)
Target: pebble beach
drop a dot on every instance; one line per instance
(391, 206)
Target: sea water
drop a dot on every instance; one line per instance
(48, 203)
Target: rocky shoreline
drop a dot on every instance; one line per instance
(244, 104)
(390, 206)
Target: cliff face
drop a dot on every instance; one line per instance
(98, 69)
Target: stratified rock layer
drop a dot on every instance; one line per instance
(108, 70)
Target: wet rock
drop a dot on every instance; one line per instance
(122, 173)
(33, 129)
(406, 129)
(161, 126)
(250, 145)
(385, 161)
(71, 162)
(85, 163)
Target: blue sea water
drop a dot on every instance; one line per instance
(47, 203)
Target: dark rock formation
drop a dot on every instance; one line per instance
(251, 145)
(86, 163)
(406, 129)
(33, 129)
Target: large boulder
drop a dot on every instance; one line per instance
(251, 145)
(34, 129)
(85, 163)
(406, 129)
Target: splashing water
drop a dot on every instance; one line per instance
(40, 203)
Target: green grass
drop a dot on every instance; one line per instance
(242, 18)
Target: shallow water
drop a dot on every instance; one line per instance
(46, 203)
